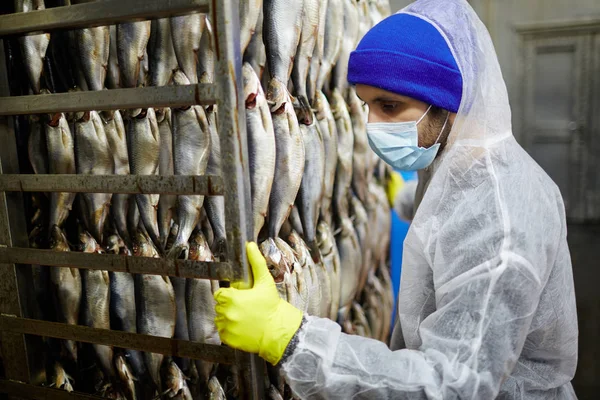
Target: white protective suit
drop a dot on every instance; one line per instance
(487, 303)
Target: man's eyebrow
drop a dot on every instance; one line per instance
(387, 99)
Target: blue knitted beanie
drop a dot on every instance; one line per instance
(407, 55)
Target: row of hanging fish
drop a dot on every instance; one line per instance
(318, 205)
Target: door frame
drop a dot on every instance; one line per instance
(585, 35)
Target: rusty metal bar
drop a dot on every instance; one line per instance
(119, 263)
(126, 340)
(95, 13)
(33, 392)
(12, 232)
(135, 184)
(114, 99)
(234, 152)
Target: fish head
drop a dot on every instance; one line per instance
(324, 237)
(113, 244)
(289, 257)
(125, 374)
(199, 248)
(276, 262)
(37, 237)
(298, 247)
(252, 86)
(175, 381)
(58, 240)
(87, 243)
(143, 246)
(162, 114)
(320, 106)
(215, 389)
(179, 78)
(61, 379)
(278, 97)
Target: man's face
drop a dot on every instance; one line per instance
(386, 106)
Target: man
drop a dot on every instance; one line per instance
(487, 306)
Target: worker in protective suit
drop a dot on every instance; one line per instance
(487, 305)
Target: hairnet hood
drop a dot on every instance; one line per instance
(484, 112)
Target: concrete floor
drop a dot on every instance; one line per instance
(584, 242)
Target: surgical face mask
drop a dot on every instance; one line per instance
(397, 143)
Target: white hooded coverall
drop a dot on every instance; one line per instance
(487, 304)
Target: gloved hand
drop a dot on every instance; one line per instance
(393, 187)
(256, 320)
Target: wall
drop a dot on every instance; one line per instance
(399, 4)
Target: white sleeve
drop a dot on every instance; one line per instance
(470, 344)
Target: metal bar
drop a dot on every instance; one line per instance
(135, 184)
(96, 13)
(156, 97)
(234, 152)
(33, 392)
(14, 349)
(125, 340)
(119, 263)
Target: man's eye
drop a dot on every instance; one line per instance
(389, 106)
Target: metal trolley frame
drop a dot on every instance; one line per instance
(16, 329)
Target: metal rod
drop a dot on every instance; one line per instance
(135, 184)
(125, 340)
(234, 153)
(96, 13)
(119, 263)
(12, 218)
(114, 99)
(27, 391)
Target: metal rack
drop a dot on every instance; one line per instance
(14, 252)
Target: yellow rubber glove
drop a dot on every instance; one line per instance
(256, 320)
(393, 187)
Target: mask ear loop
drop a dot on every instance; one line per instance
(423, 116)
(443, 127)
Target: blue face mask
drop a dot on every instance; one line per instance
(397, 143)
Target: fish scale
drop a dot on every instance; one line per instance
(143, 145)
(302, 59)
(186, 31)
(61, 160)
(201, 305)
(156, 315)
(117, 142)
(261, 146)
(67, 289)
(289, 165)
(332, 40)
(162, 59)
(215, 205)
(167, 203)
(331, 261)
(93, 157)
(249, 11)
(191, 149)
(282, 25)
(311, 187)
(33, 47)
(132, 40)
(330, 138)
(96, 295)
(93, 45)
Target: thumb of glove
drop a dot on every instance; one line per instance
(260, 271)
